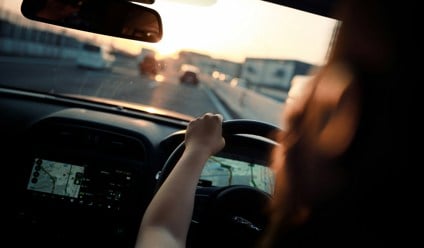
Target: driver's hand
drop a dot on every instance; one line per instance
(204, 134)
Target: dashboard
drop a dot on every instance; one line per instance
(82, 175)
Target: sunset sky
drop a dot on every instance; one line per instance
(235, 29)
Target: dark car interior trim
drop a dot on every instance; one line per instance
(121, 152)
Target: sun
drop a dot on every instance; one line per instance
(166, 50)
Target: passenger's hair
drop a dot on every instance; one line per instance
(350, 200)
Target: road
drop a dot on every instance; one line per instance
(121, 82)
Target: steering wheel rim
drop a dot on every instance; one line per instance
(229, 128)
(234, 211)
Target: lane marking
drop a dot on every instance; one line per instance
(220, 107)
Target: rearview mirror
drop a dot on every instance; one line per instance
(144, 1)
(109, 17)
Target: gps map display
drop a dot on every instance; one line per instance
(56, 178)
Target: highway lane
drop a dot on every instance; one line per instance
(64, 77)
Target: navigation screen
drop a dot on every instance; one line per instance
(56, 178)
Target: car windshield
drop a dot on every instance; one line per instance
(247, 54)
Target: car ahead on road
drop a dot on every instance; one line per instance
(189, 75)
(149, 66)
(190, 78)
(84, 151)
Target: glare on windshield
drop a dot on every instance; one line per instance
(241, 67)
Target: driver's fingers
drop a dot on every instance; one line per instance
(209, 121)
(212, 114)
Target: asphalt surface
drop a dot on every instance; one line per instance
(121, 82)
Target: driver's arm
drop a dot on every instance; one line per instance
(167, 218)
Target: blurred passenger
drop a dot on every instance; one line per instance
(339, 180)
(339, 169)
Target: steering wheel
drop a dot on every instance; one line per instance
(234, 215)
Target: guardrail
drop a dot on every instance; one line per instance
(28, 48)
(246, 103)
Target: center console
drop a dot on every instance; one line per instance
(82, 187)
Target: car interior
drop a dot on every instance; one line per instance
(84, 151)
